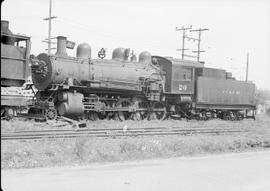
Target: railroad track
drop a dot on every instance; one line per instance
(111, 132)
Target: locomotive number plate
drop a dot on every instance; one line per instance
(182, 87)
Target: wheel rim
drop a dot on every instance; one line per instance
(140, 115)
(137, 116)
(158, 111)
(93, 116)
(123, 115)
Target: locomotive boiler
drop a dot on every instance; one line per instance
(82, 86)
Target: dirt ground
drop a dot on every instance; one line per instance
(262, 121)
(85, 150)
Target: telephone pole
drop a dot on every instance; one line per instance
(49, 19)
(247, 67)
(183, 39)
(199, 42)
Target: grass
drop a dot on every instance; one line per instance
(22, 124)
(84, 150)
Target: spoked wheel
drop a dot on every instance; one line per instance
(227, 116)
(7, 113)
(158, 111)
(142, 111)
(50, 114)
(239, 116)
(203, 116)
(2, 113)
(123, 115)
(106, 115)
(93, 116)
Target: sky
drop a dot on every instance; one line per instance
(235, 29)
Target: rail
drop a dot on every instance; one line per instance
(112, 132)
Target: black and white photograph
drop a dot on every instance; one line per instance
(139, 95)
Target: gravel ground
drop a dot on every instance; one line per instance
(82, 151)
(262, 121)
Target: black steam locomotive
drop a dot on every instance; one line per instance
(123, 88)
(15, 71)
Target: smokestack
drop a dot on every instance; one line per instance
(5, 27)
(5, 30)
(61, 46)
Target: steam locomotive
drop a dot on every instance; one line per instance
(153, 87)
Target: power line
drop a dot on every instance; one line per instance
(102, 34)
(49, 19)
(247, 67)
(199, 42)
(183, 39)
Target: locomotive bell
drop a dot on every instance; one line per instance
(84, 51)
(118, 54)
(145, 57)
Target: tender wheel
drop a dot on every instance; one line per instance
(239, 116)
(158, 111)
(50, 114)
(123, 115)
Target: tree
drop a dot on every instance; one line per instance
(261, 96)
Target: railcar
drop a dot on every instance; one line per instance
(15, 70)
(195, 91)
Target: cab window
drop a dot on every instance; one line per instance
(183, 74)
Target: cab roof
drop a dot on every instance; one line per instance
(17, 37)
(189, 63)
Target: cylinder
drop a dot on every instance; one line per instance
(61, 46)
(62, 96)
(73, 106)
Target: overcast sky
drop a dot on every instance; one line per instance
(235, 28)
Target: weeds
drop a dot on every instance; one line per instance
(85, 150)
(79, 148)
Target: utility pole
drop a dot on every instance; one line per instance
(247, 67)
(183, 39)
(49, 19)
(199, 42)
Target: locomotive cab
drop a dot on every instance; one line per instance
(180, 78)
(15, 51)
